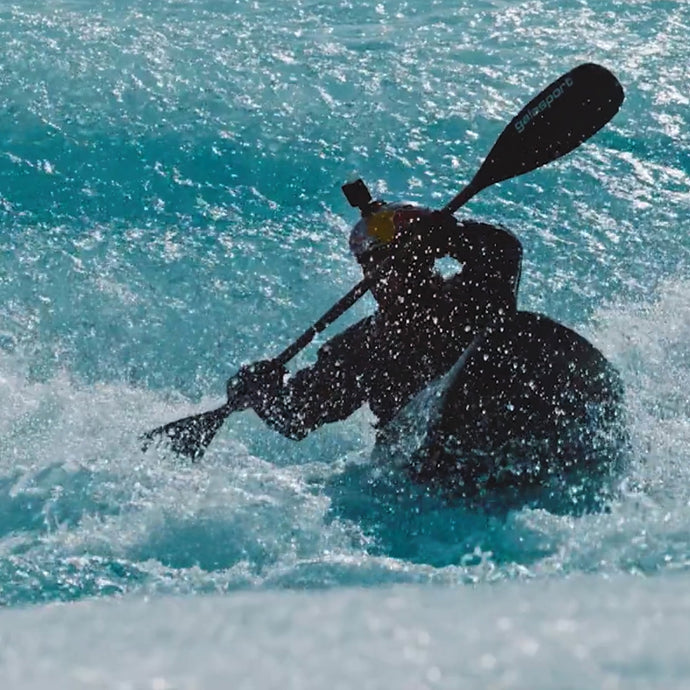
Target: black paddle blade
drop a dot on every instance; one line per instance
(559, 119)
(189, 436)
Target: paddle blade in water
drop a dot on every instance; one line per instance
(189, 436)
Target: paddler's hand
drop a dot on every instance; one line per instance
(431, 235)
(440, 229)
(256, 384)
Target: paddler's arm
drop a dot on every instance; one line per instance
(491, 255)
(329, 391)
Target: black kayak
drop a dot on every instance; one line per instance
(531, 414)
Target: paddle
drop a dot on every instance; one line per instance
(560, 118)
(565, 114)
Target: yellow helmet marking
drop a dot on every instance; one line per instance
(381, 226)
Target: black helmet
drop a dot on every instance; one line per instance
(378, 229)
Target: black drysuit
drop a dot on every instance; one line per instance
(386, 358)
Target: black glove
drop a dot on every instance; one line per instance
(440, 230)
(255, 384)
(431, 236)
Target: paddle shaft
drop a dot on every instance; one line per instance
(463, 197)
(337, 310)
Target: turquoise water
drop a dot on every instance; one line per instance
(170, 208)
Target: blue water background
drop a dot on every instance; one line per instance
(170, 208)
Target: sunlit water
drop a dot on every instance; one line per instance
(170, 202)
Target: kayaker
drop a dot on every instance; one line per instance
(422, 325)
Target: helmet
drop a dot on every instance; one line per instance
(378, 230)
